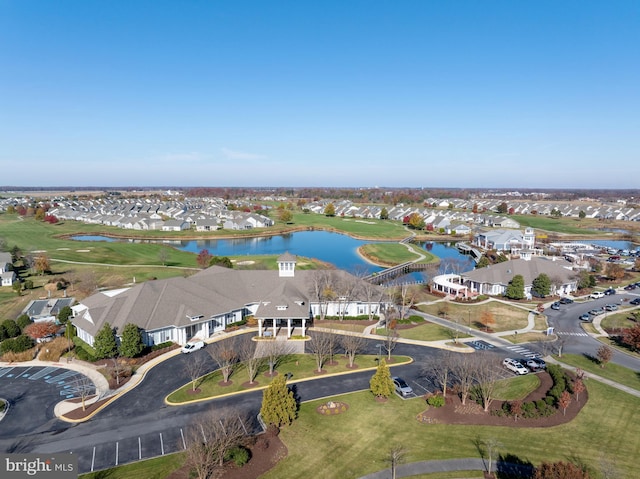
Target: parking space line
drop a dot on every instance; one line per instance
(42, 372)
(203, 436)
(139, 449)
(4, 371)
(184, 444)
(161, 444)
(25, 374)
(93, 458)
(116, 453)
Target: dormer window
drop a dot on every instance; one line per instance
(195, 318)
(281, 307)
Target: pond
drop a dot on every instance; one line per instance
(335, 248)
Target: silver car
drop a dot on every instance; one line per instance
(402, 387)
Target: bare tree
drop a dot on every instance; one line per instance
(84, 388)
(371, 293)
(194, 367)
(321, 345)
(408, 294)
(323, 289)
(273, 351)
(211, 437)
(86, 281)
(345, 288)
(352, 344)
(463, 367)
(224, 353)
(390, 340)
(440, 368)
(487, 374)
(395, 458)
(491, 447)
(604, 355)
(247, 353)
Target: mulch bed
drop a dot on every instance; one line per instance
(453, 412)
(265, 454)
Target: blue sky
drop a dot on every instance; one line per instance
(529, 94)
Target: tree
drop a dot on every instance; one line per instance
(225, 355)
(487, 374)
(384, 214)
(321, 346)
(222, 261)
(614, 271)
(131, 344)
(273, 351)
(604, 355)
(330, 210)
(285, 216)
(84, 388)
(515, 407)
(584, 280)
(210, 438)
(194, 367)
(390, 340)
(11, 328)
(582, 215)
(381, 384)
(578, 387)
(395, 458)
(42, 264)
(440, 369)
(203, 258)
(247, 354)
(483, 262)
(631, 337)
(23, 321)
(279, 406)
(64, 314)
(40, 330)
(105, 342)
(463, 368)
(407, 295)
(560, 470)
(541, 285)
(416, 221)
(563, 401)
(352, 345)
(163, 255)
(487, 319)
(491, 447)
(515, 289)
(17, 287)
(502, 208)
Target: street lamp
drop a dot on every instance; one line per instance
(379, 346)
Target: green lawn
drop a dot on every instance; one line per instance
(518, 387)
(558, 225)
(611, 371)
(506, 317)
(392, 253)
(427, 332)
(330, 447)
(157, 468)
(301, 366)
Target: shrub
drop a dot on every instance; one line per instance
(166, 344)
(239, 455)
(529, 410)
(16, 345)
(436, 401)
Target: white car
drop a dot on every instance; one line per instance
(515, 366)
(401, 386)
(193, 346)
(596, 295)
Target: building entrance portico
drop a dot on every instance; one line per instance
(272, 326)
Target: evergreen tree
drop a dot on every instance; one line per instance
(381, 384)
(541, 285)
(23, 321)
(279, 405)
(515, 290)
(384, 214)
(131, 343)
(11, 328)
(105, 342)
(64, 314)
(483, 262)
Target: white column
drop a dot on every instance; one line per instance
(288, 328)
(304, 326)
(260, 328)
(275, 331)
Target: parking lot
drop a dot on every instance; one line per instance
(71, 384)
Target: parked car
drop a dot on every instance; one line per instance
(585, 317)
(635, 301)
(555, 305)
(515, 366)
(630, 287)
(596, 295)
(611, 307)
(566, 300)
(402, 387)
(45, 339)
(610, 292)
(596, 312)
(192, 346)
(536, 364)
